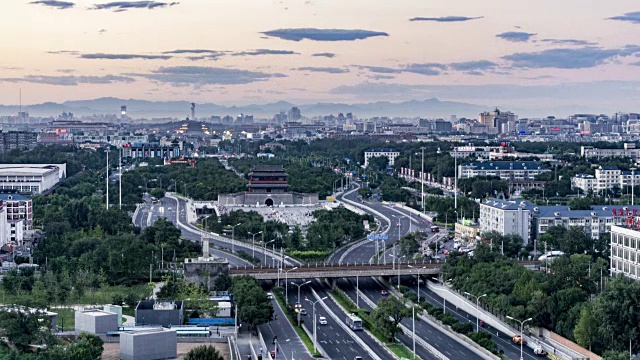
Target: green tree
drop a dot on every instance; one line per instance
(615, 355)
(204, 352)
(253, 306)
(586, 329)
(22, 328)
(389, 314)
(87, 347)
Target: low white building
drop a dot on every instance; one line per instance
(606, 178)
(629, 150)
(625, 252)
(513, 171)
(31, 178)
(506, 217)
(388, 153)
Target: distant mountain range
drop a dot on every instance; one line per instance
(429, 108)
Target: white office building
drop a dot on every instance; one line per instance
(606, 178)
(31, 178)
(388, 153)
(520, 171)
(625, 252)
(629, 150)
(505, 217)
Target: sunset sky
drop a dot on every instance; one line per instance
(542, 53)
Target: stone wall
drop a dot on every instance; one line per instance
(264, 199)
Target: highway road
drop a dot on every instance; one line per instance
(288, 339)
(400, 222)
(166, 208)
(503, 341)
(336, 340)
(434, 336)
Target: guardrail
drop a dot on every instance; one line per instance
(418, 339)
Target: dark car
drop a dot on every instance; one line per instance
(384, 292)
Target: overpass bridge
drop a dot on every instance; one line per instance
(310, 271)
(336, 271)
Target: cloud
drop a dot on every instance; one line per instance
(63, 52)
(70, 80)
(633, 17)
(126, 5)
(429, 69)
(265, 52)
(446, 18)
(330, 70)
(379, 69)
(66, 71)
(516, 36)
(381, 77)
(323, 34)
(200, 76)
(585, 57)
(326, 54)
(568, 42)
(54, 3)
(479, 65)
(124, 56)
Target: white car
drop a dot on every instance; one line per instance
(269, 296)
(323, 320)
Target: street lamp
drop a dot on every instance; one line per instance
(399, 262)
(521, 335)
(477, 308)
(233, 235)
(299, 286)
(253, 243)
(424, 267)
(315, 341)
(265, 249)
(286, 286)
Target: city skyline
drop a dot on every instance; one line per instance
(535, 55)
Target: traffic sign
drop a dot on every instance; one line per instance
(384, 237)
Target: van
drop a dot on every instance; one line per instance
(269, 296)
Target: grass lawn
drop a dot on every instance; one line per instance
(66, 318)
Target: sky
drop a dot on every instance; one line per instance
(542, 54)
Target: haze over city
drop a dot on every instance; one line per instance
(536, 56)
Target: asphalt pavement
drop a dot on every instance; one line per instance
(432, 335)
(503, 341)
(337, 342)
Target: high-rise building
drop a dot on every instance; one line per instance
(294, 114)
(505, 122)
(17, 140)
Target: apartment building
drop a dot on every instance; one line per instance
(506, 217)
(625, 252)
(506, 170)
(388, 153)
(606, 178)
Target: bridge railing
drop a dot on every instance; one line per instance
(325, 264)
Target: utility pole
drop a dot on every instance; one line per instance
(633, 183)
(107, 151)
(455, 180)
(120, 167)
(422, 179)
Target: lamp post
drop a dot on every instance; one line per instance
(233, 235)
(265, 249)
(286, 286)
(521, 334)
(633, 183)
(477, 308)
(299, 286)
(107, 151)
(399, 262)
(424, 267)
(253, 243)
(422, 179)
(315, 341)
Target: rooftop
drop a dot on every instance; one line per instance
(510, 204)
(381, 150)
(506, 165)
(12, 196)
(97, 313)
(267, 168)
